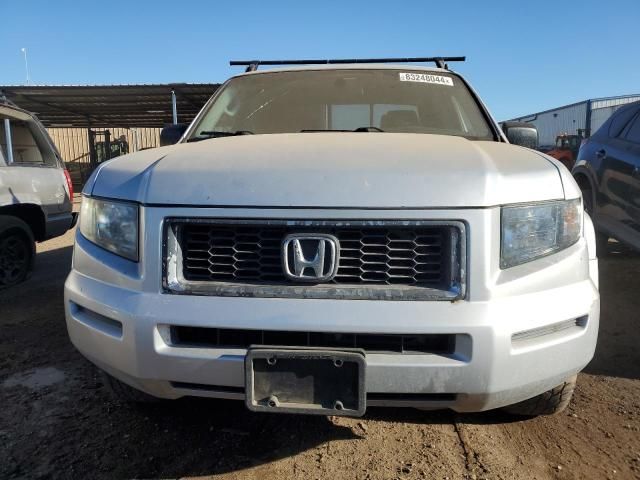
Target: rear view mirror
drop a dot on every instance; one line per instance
(170, 134)
(521, 133)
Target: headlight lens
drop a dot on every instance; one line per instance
(113, 225)
(533, 231)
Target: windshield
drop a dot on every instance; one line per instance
(345, 100)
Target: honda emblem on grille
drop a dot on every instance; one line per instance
(310, 257)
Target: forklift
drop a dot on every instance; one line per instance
(567, 146)
(102, 147)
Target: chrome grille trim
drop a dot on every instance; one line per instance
(565, 326)
(438, 274)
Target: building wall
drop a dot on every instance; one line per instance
(73, 144)
(571, 118)
(603, 109)
(561, 120)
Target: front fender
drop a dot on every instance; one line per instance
(589, 233)
(582, 167)
(583, 172)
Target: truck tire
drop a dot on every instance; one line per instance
(124, 393)
(548, 403)
(17, 251)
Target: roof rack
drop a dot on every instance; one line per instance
(440, 62)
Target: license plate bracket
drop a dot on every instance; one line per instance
(305, 380)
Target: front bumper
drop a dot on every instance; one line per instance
(122, 332)
(507, 346)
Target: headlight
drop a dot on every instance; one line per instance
(533, 231)
(113, 225)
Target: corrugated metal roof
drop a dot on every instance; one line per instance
(613, 101)
(605, 100)
(147, 105)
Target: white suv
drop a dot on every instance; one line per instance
(325, 238)
(36, 194)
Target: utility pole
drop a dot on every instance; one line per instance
(26, 64)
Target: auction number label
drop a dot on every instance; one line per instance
(426, 78)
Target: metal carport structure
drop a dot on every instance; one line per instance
(124, 106)
(133, 113)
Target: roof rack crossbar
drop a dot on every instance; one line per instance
(441, 62)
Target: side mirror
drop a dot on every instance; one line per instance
(521, 133)
(170, 134)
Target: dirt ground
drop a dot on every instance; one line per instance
(58, 421)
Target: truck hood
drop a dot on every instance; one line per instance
(329, 169)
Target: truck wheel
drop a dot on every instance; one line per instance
(124, 393)
(17, 251)
(548, 403)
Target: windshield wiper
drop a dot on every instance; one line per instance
(359, 129)
(205, 134)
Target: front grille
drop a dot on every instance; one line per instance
(205, 337)
(247, 255)
(250, 253)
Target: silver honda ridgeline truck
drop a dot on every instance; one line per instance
(327, 238)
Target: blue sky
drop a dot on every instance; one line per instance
(522, 56)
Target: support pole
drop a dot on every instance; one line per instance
(7, 134)
(134, 132)
(174, 107)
